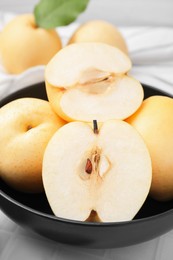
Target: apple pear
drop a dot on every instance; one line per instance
(89, 80)
(99, 31)
(24, 45)
(154, 121)
(96, 174)
(27, 124)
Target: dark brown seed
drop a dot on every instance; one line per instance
(88, 167)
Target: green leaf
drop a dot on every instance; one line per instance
(53, 13)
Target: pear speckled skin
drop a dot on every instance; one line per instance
(154, 121)
(99, 31)
(27, 124)
(24, 45)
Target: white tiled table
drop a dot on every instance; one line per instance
(19, 244)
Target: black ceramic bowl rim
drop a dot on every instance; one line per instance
(39, 213)
(76, 222)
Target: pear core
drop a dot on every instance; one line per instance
(89, 80)
(81, 60)
(102, 177)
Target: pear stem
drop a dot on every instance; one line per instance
(95, 127)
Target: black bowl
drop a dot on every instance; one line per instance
(33, 211)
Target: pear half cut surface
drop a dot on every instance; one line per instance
(106, 174)
(88, 80)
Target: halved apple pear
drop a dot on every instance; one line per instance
(102, 175)
(88, 80)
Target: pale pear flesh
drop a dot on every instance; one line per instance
(117, 100)
(69, 64)
(120, 179)
(89, 80)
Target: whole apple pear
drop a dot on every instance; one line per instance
(24, 45)
(27, 124)
(154, 121)
(99, 31)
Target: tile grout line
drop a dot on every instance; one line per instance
(6, 249)
(156, 249)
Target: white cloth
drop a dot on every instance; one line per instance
(19, 244)
(151, 51)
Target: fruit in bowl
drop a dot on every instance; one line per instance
(154, 121)
(27, 124)
(32, 211)
(86, 81)
(93, 174)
